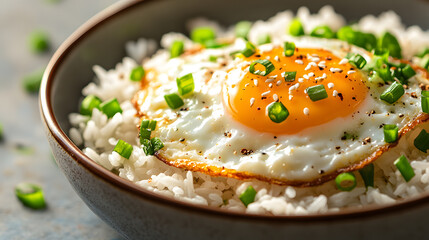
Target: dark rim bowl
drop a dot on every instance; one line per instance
(49, 118)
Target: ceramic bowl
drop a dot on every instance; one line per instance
(140, 214)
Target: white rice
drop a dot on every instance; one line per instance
(99, 134)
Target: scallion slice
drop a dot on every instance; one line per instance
(123, 148)
(248, 196)
(31, 195)
(263, 39)
(385, 74)
(277, 112)
(317, 92)
(111, 107)
(404, 168)
(357, 60)
(425, 101)
(88, 104)
(185, 84)
(290, 76)
(157, 144)
(269, 67)
(422, 141)
(296, 28)
(1, 132)
(39, 42)
(137, 74)
(389, 42)
(323, 31)
(289, 49)
(213, 58)
(249, 50)
(146, 128)
(202, 34)
(242, 29)
(147, 147)
(393, 93)
(173, 100)
(345, 181)
(390, 133)
(408, 72)
(367, 174)
(32, 82)
(177, 48)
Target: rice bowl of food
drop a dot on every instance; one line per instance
(267, 123)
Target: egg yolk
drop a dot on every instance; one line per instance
(247, 99)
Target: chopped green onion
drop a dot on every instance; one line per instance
(213, 58)
(367, 174)
(424, 62)
(317, 92)
(404, 168)
(289, 49)
(345, 181)
(147, 147)
(124, 149)
(1, 132)
(290, 76)
(110, 108)
(323, 31)
(390, 133)
(31, 195)
(137, 74)
(249, 50)
(202, 34)
(385, 74)
(381, 56)
(32, 82)
(263, 39)
(173, 100)
(88, 104)
(425, 101)
(389, 42)
(423, 53)
(357, 60)
(146, 128)
(185, 84)
(422, 141)
(157, 144)
(351, 36)
(370, 41)
(396, 72)
(242, 29)
(248, 196)
(213, 43)
(269, 67)
(177, 48)
(393, 93)
(277, 112)
(39, 42)
(408, 71)
(296, 28)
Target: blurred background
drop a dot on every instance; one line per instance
(24, 152)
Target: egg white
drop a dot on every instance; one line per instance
(203, 132)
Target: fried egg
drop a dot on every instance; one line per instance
(224, 129)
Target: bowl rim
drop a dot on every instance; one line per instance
(48, 117)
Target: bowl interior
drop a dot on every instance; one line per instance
(101, 41)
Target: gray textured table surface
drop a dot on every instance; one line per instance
(66, 217)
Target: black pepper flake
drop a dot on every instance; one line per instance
(263, 153)
(184, 109)
(246, 152)
(401, 115)
(328, 58)
(262, 98)
(320, 68)
(354, 98)
(181, 140)
(275, 137)
(341, 96)
(227, 134)
(258, 55)
(258, 108)
(337, 147)
(413, 95)
(321, 172)
(366, 140)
